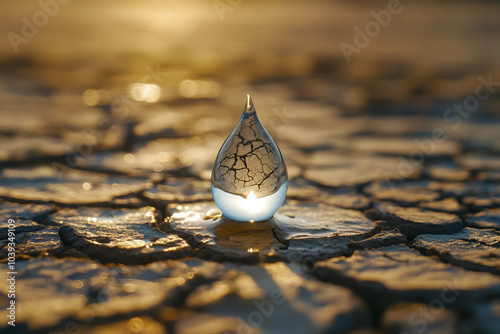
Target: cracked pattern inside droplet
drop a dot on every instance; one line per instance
(249, 161)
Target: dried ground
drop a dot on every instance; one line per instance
(391, 223)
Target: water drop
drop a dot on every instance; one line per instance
(249, 177)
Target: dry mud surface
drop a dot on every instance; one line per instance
(391, 223)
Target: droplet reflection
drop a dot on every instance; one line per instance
(249, 177)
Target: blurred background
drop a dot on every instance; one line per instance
(79, 78)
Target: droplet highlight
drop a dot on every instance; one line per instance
(249, 177)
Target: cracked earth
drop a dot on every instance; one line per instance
(384, 230)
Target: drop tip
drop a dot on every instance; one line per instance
(249, 107)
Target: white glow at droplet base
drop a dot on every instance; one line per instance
(249, 209)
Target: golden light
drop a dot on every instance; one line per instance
(199, 89)
(163, 156)
(136, 324)
(129, 158)
(90, 97)
(144, 92)
(188, 88)
(129, 287)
